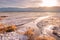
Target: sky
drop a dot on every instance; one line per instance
(22, 3)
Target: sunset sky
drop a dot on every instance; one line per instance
(28, 3)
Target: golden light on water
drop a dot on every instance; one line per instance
(48, 3)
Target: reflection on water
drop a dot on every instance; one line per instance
(27, 14)
(24, 17)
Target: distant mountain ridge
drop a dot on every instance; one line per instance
(39, 9)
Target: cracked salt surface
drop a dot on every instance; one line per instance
(14, 35)
(39, 29)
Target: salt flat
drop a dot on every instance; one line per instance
(23, 21)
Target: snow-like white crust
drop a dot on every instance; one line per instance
(46, 30)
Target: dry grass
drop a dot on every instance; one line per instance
(7, 28)
(2, 17)
(44, 38)
(30, 34)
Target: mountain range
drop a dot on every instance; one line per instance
(39, 9)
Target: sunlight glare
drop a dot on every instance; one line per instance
(48, 3)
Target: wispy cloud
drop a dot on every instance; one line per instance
(20, 3)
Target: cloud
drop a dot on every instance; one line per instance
(20, 3)
(59, 2)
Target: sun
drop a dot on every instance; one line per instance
(48, 3)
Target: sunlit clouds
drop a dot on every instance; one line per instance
(28, 3)
(48, 3)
